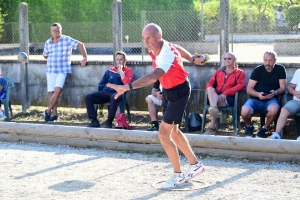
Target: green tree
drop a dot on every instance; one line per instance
(292, 15)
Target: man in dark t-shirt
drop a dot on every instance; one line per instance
(266, 82)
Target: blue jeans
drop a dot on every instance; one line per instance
(258, 106)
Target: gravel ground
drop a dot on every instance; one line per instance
(35, 171)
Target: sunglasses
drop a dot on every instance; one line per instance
(227, 58)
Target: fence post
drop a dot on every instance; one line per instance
(24, 47)
(224, 27)
(117, 26)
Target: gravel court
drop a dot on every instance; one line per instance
(37, 171)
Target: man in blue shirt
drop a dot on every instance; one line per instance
(2, 94)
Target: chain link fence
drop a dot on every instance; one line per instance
(250, 32)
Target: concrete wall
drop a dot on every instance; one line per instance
(84, 80)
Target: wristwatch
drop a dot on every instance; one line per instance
(84, 58)
(276, 93)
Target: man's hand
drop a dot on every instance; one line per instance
(222, 97)
(119, 88)
(263, 96)
(297, 94)
(83, 62)
(201, 59)
(159, 94)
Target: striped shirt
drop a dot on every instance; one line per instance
(59, 54)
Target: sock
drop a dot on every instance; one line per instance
(155, 123)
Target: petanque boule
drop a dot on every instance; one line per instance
(22, 56)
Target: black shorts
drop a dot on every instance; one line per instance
(174, 102)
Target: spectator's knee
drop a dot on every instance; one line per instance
(246, 111)
(149, 100)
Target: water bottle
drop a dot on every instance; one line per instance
(100, 109)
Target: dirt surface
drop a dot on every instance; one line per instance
(140, 120)
(35, 171)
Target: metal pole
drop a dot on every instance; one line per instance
(24, 47)
(224, 26)
(117, 26)
(202, 22)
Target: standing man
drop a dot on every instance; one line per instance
(266, 82)
(119, 74)
(291, 107)
(221, 88)
(168, 68)
(153, 99)
(57, 51)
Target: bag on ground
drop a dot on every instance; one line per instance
(195, 122)
(121, 122)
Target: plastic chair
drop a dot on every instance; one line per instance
(233, 109)
(7, 105)
(123, 103)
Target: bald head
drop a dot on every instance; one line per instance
(153, 27)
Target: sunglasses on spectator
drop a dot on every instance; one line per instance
(55, 31)
(227, 58)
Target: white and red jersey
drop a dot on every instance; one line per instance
(169, 60)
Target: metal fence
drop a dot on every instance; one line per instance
(181, 23)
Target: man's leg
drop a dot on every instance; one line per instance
(152, 112)
(213, 102)
(114, 103)
(246, 113)
(271, 115)
(164, 135)
(290, 108)
(53, 102)
(151, 109)
(90, 101)
(284, 114)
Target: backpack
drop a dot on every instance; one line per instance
(195, 122)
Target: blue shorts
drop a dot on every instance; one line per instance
(229, 101)
(258, 106)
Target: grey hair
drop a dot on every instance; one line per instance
(273, 53)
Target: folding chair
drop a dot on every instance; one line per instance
(233, 109)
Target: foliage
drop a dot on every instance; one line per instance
(292, 15)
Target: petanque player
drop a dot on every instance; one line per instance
(169, 70)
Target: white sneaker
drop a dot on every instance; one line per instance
(176, 180)
(275, 136)
(194, 170)
(298, 138)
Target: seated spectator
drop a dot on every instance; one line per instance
(222, 87)
(2, 94)
(266, 82)
(291, 107)
(155, 98)
(120, 75)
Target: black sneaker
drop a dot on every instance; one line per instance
(152, 128)
(107, 125)
(53, 118)
(261, 132)
(46, 116)
(94, 124)
(249, 131)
